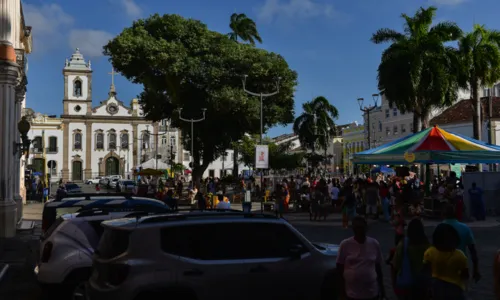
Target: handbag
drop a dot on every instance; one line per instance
(404, 279)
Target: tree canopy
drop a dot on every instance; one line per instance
(183, 64)
(418, 72)
(479, 56)
(316, 125)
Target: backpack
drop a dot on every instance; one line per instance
(405, 276)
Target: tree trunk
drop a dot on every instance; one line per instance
(424, 121)
(235, 162)
(417, 122)
(476, 110)
(198, 169)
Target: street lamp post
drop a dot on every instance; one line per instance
(192, 121)
(262, 96)
(367, 111)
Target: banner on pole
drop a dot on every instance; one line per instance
(261, 157)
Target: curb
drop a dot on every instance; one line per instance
(3, 270)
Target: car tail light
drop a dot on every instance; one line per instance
(116, 274)
(47, 252)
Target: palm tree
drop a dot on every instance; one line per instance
(243, 28)
(417, 72)
(316, 125)
(479, 56)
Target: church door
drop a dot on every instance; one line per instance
(112, 166)
(77, 171)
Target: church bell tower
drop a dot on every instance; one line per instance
(77, 85)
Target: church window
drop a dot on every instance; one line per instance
(112, 140)
(77, 88)
(99, 141)
(78, 108)
(124, 140)
(78, 141)
(52, 145)
(145, 140)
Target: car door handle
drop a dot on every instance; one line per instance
(193, 272)
(259, 269)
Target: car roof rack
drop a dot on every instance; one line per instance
(216, 213)
(96, 211)
(88, 196)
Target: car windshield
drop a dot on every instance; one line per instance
(72, 186)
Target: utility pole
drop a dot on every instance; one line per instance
(192, 121)
(262, 96)
(367, 111)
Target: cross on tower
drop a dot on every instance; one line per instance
(113, 73)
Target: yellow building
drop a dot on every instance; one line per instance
(353, 141)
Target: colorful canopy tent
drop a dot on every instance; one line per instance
(432, 145)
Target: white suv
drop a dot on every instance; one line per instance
(210, 255)
(67, 246)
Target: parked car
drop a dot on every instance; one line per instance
(126, 185)
(210, 255)
(113, 183)
(95, 180)
(72, 188)
(104, 181)
(67, 246)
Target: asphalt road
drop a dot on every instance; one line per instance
(20, 283)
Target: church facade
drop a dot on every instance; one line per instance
(86, 141)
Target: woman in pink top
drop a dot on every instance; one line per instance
(359, 265)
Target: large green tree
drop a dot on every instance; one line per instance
(418, 71)
(316, 125)
(479, 57)
(183, 64)
(243, 28)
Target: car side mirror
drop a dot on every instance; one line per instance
(296, 252)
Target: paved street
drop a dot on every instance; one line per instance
(21, 252)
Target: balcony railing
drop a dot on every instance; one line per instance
(52, 149)
(36, 150)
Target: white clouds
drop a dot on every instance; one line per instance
(132, 9)
(89, 41)
(448, 2)
(47, 21)
(293, 9)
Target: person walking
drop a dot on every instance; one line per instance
(384, 196)
(446, 264)
(408, 278)
(466, 241)
(478, 210)
(359, 265)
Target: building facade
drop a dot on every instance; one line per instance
(354, 141)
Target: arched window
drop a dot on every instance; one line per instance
(112, 140)
(99, 141)
(37, 144)
(52, 165)
(124, 140)
(52, 145)
(77, 88)
(78, 141)
(145, 140)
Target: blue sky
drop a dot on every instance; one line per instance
(326, 42)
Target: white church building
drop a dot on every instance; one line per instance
(111, 138)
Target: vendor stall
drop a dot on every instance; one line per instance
(431, 146)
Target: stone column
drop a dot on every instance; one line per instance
(66, 145)
(88, 150)
(9, 73)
